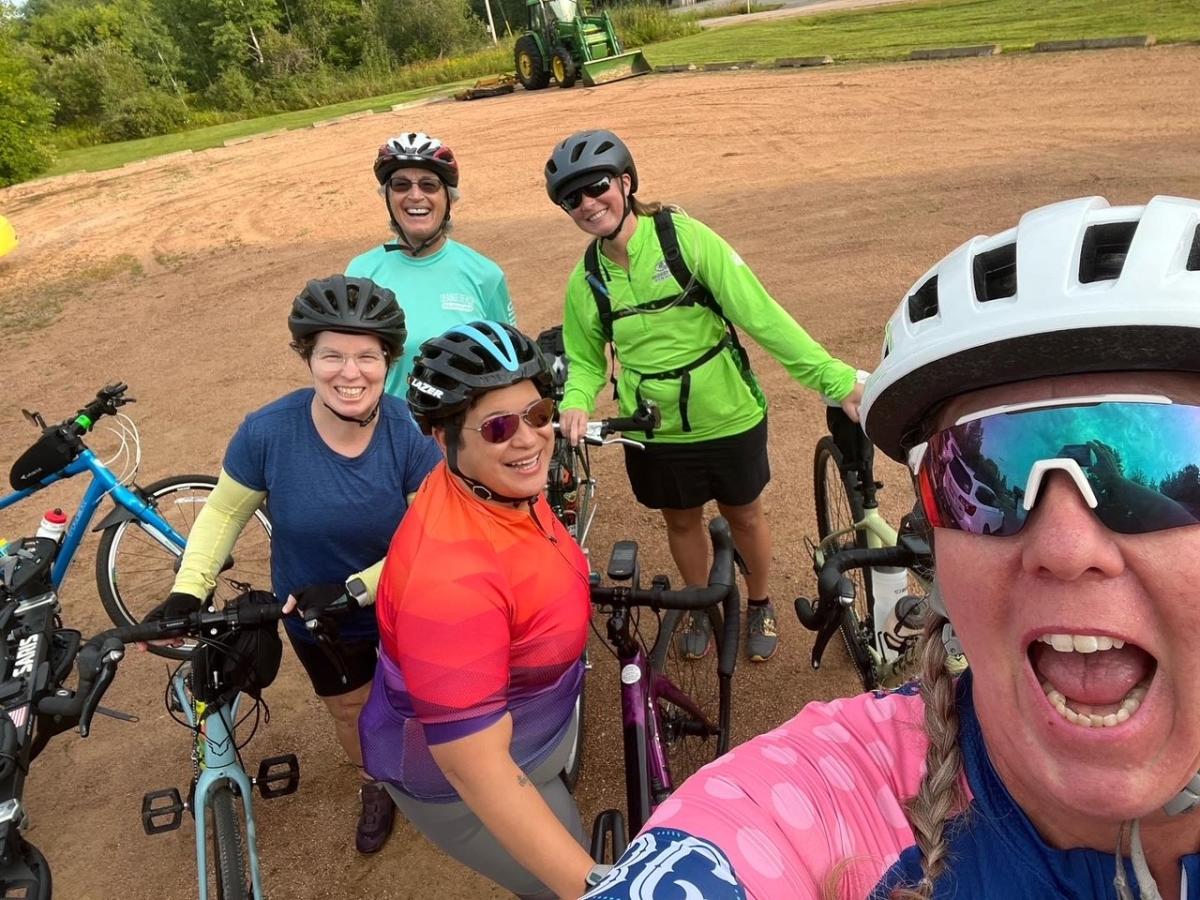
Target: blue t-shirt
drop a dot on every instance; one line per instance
(331, 515)
(453, 286)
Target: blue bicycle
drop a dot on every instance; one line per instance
(142, 537)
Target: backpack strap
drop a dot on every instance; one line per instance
(595, 279)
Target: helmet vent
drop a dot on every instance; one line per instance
(996, 273)
(1193, 262)
(923, 302)
(1104, 250)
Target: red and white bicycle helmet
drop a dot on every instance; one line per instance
(1078, 286)
(419, 150)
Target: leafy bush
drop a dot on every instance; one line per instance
(644, 23)
(232, 90)
(144, 114)
(24, 120)
(427, 29)
(91, 78)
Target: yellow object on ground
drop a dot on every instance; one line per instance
(8, 237)
(613, 68)
(492, 86)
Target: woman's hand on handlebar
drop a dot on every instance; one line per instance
(176, 606)
(572, 423)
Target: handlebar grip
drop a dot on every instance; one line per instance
(722, 543)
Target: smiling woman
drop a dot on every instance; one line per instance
(483, 608)
(1057, 363)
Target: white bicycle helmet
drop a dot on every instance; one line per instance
(1078, 286)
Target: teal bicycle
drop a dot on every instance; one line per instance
(143, 535)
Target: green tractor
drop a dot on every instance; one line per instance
(565, 43)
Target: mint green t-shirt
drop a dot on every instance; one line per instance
(451, 287)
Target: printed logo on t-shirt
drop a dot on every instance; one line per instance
(662, 271)
(459, 303)
(667, 862)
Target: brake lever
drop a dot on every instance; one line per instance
(112, 651)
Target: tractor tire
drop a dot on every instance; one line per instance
(532, 71)
(563, 68)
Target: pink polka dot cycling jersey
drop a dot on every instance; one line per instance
(787, 807)
(815, 809)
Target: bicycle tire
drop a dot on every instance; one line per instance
(837, 510)
(227, 845)
(686, 750)
(134, 573)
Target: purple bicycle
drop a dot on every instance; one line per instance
(675, 712)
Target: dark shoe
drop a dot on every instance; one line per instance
(694, 635)
(375, 820)
(762, 638)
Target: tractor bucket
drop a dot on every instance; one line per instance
(614, 68)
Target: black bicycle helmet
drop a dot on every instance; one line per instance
(351, 306)
(577, 161)
(454, 368)
(419, 150)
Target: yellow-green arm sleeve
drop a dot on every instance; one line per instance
(748, 305)
(225, 513)
(370, 577)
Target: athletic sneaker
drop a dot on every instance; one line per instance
(695, 635)
(375, 820)
(762, 638)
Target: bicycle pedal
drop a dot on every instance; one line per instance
(278, 776)
(157, 817)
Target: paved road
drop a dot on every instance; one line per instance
(790, 8)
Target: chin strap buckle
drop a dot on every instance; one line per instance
(1186, 800)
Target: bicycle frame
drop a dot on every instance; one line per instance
(103, 483)
(216, 759)
(648, 778)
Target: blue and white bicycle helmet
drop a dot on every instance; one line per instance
(467, 361)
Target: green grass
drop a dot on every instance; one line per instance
(108, 156)
(891, 32)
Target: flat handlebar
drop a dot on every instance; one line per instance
(719, 588)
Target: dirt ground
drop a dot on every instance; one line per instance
(840, 187)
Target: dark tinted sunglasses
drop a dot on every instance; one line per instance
(428, 186)
(572, 201)
(1135, 460)
(501, 428)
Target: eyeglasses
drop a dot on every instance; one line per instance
(331, 361)
(428, 185)
(501, 428)
(1134, 458)
(572, 201)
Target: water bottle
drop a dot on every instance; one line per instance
(54, 523)
(889, 584)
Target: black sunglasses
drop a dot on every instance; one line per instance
(571, 202)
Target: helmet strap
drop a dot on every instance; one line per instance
(476, 487)
(402, 241)
(361, 423)
(628, 208)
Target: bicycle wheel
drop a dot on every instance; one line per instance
(135, 572)
(837, 512)
(227, 845)
(691, 741)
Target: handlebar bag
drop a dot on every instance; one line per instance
(245, 660)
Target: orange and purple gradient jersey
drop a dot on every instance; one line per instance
(482, 611)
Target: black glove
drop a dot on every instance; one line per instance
(314, 602)
(176, 606)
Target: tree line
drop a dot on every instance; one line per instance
(79, 72)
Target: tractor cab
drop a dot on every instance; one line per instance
(563, 42)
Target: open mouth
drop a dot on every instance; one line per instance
(1092, 680)
(350, 393)
(525, 466)
(417, 212)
